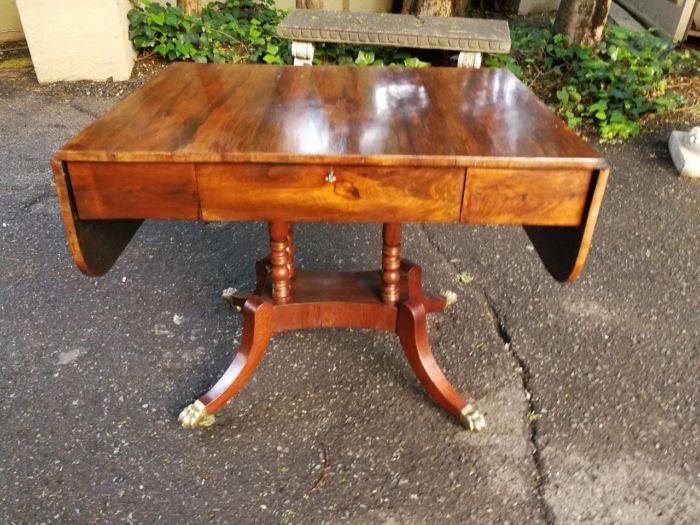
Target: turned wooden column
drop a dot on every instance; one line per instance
(290, 252)
(279, 261)
(391, 262)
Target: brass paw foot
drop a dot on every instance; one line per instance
(195, 415)
(450, 297)
(228, 294)
(471, 419)
(235, 297)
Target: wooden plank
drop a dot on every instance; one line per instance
(337, 115)
(313, 193)
(95, 245)
(621, 17)
(543, 197)
(564, 250)
(111, 190)
(671, 17)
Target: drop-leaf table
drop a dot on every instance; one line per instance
(342, 144)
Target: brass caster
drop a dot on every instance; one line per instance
(228, 294)
(450, 297)
(235, 297)
(195, 415)
(471, 419)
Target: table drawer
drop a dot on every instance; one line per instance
(521, 196)
(325, 193)
(134, 190)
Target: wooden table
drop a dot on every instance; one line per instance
(340, 144)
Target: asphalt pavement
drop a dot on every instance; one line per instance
(590, 389)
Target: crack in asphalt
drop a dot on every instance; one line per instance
(84, 111)
(503, 333)
(526, 376)
(38, 198)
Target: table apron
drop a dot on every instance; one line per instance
(234, 191)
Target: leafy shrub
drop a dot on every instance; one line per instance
(345, 54)
(239, 31)
(609, 87)
(230, 31)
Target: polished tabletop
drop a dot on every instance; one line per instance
(345, 115)
(342, 144)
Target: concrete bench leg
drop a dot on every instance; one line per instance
(469, 60)
(303, 53)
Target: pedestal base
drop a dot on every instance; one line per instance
(335, 300)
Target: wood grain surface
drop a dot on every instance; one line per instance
(94, 245)
(278, 143)
(520, 196)
(340, 115)
(563, 249)
(113, 190)
(326, 193)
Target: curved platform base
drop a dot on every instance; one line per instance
(335, 300)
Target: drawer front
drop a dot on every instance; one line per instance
(521, 196)
(322, 193)
(106, 190)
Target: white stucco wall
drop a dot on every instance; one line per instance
(78, 39)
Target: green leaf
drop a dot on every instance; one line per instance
(563, 95)
(515, 69)
(534, 416)
(134, 16)
(364, 58)
(172, 19)
(158, 18)
(573, 121)
(141, 42)
(415, 62)
(162, 49)
(272, 59)
(601, 105)
(465, 278)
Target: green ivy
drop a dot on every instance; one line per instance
(610, 87)
(231, 31)
(239, 31)
(345, 54)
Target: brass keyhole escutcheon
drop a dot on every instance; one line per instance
(330, 177)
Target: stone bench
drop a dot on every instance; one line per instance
(470, 36)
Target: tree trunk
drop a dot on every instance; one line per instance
(435, 7)
(583, 20)
(192, 7)
(310, 4)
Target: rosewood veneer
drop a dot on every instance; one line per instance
(339, 144)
